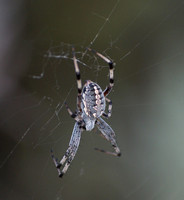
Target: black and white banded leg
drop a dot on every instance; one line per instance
(72, 114)
(71, 151)
(109, 111)
(111, 71)
(79, 82)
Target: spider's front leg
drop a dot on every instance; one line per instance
(71, 151)
(111, 71)
(109, 135)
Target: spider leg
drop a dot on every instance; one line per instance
(72, 114)
(75, 116)
(109, 108)
(111, 71)
(79, 82)
(71, 151)
(109, 135)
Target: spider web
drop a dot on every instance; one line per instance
(145, 40)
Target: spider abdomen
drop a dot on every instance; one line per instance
(93, 100)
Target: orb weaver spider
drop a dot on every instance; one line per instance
(91, 103)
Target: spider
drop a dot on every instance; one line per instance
(91, 103)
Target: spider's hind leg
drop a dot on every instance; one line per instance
(116, 153)
(61, 163)
(71, 151)
(57, 164)
(55, 160)
(109, 135)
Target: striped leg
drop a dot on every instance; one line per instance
(79, 82)
(72, 114)
(71, 151)
(111, 71)
(76, 117)
(109, 108)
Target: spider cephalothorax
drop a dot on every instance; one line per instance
(91, 103)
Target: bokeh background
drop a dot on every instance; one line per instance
(145, 40)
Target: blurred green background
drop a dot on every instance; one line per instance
(145, 40)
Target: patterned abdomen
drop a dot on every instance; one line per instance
(93, 100)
